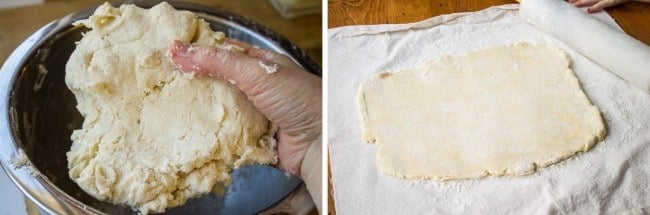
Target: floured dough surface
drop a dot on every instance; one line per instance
(504, 110)
(153, 137)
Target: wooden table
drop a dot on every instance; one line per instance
(633, 17)
(17, 24)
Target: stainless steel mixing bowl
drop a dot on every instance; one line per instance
(38, 114)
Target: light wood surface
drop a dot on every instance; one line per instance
(16, 24)
(633, 17)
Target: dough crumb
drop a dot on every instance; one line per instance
(192, 48)
(20, 160)
(270, 69)
(524, 168)
(189, 75)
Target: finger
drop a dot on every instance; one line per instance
(573, 1)
(291, 155)
(581, 3)
(295, 108)
(602, 5)
(268, 85)
(246, 46)
(264, 54)
(271, 56)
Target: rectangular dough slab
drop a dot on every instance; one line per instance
(504, 110)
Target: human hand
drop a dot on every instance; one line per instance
(596, 5)
(280, 89)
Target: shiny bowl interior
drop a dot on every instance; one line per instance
(38, 115)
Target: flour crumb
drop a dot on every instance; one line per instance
(20, 160)
(233, 82)
(270, 69)
(189, 75)
(192, 48)
(196, 68)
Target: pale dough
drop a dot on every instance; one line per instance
(153, 137)
(505, 110)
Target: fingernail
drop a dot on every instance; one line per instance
(180, 48)
(589, 10)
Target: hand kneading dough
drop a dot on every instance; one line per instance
(153, 137)
(500, 111)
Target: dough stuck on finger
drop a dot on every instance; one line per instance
(505, 110)
(153, 137)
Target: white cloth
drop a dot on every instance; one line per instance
(554, 17)
(611, 177)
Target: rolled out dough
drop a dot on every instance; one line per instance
(153, 137)
(505, 110)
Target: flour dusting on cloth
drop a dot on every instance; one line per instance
(611, 178)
